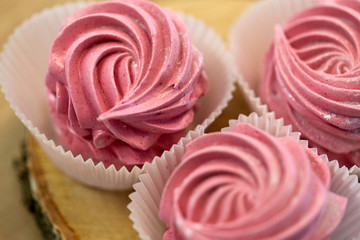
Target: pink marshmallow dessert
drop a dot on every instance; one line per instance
(311, 77)
(246, 184)
(253, 180)
(123, 82)
(114, 84)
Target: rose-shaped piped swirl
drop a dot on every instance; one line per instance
(246, 184)
(123, 81)
(311, 76)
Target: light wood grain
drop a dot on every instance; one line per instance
(77, 211)
(64, 193)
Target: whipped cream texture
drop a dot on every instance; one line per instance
(123, 82)
(246, 184)
(311, 77)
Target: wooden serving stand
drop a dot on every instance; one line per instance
(71, 209)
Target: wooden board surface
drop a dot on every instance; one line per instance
(77, 211)
(15, 222)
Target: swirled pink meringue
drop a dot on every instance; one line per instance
(246, 184)
(123, 81)
(311, 77)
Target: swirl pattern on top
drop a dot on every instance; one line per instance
(246, 184)
(123, 81)
(311, 76)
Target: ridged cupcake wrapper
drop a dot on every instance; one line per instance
(355, 170)
(250, 38)
(23, 67)
(145, 202)
(346, 184)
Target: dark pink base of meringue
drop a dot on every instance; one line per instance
(118, 154)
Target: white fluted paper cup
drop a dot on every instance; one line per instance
(250, 38)
(23, 67)
(355, 170)
(145, 200)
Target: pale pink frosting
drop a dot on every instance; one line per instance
(246, 184)
(123, 81)
(311, 77)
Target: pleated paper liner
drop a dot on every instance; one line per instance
(23, 67)
(252, 33)
(146, 198)
(250, 38)
(355, 170)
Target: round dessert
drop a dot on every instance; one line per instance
(123, 82)
(247, 184)
(311, 77)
